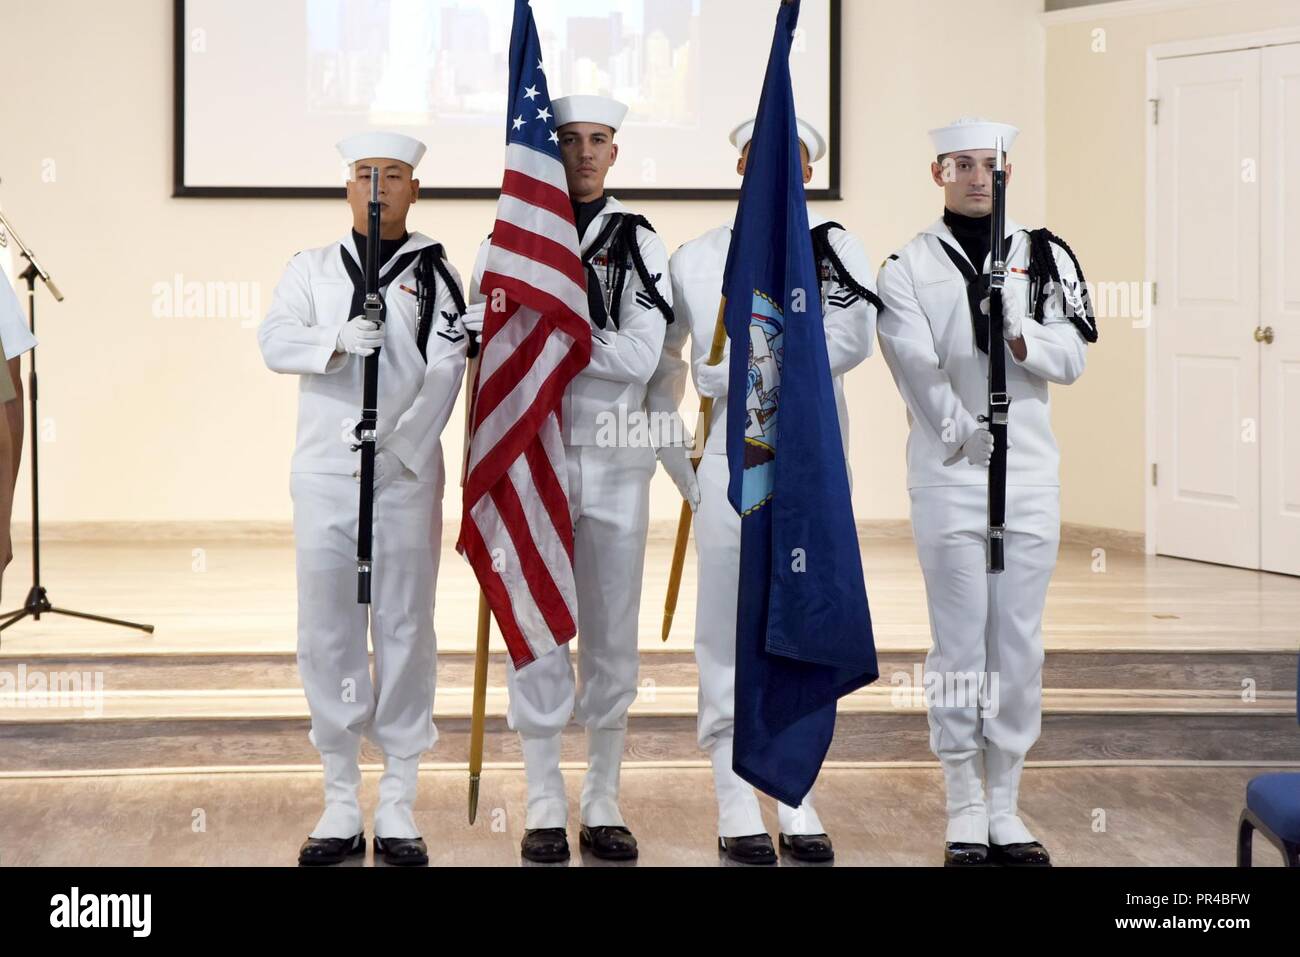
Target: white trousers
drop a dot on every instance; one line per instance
(986, 629)
(394, 706)
(609, 495)
(717, 548)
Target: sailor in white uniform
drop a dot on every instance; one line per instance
(611, 460)
(16, 338)
(934, 335)
(315, 330)
(849, 306)
(15, 332)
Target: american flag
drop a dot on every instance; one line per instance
(516, 529)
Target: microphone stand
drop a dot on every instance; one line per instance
(38, 602)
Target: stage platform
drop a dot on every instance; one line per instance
(1167, 685)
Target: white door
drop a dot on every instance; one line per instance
(1207, 262)
(1280, 311)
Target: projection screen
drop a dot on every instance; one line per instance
(265, 89)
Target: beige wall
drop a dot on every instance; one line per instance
(1097, 125)
(155, 419)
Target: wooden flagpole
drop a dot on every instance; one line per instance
(701, 437)
(478, 714)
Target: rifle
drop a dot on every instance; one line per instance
(999, 400)
(368, 427)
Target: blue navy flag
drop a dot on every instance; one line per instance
(803, 629)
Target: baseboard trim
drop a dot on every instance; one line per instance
(1110, 539)
(121, 533)
(281, 533)
(628, 765)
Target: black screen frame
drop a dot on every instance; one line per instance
(180, 189)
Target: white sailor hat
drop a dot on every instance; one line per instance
(380, 145)
(808, 135)
(589, 109)
(972, 133)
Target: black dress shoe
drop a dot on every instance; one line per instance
(956, 854)
(609, 843)
(812, 848)
(752, 849)
(545, 845)
(319, 851)
(403, 851)
(1031, 854)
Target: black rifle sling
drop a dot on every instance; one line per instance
(999, 399)
(999, 408)
(997, 423)
(977, 289)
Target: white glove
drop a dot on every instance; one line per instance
(1013, 311)
(360, 337)
(473, 318)
(678, 466)
(388, 467)
(978, 449)
(712, 381)
(1012, 319)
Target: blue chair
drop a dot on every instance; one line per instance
(1273, 809)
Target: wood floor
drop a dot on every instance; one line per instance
(213, 596)
(1172, 817)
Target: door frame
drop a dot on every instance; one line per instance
(1168, 51)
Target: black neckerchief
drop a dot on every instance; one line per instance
(584, 213)
(974, 233)
(387, 247)
(356, 273)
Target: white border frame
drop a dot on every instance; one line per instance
(1169, 51)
